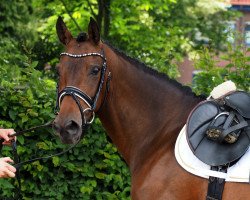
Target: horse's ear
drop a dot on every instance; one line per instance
(93, 31)
(62, 31)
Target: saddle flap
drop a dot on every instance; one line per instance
(199, 121)
(239, 101)
(212, 152)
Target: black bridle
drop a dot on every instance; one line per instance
(78, 94)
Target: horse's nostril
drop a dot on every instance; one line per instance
(72, 127)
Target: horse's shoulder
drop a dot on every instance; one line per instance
(160, 179)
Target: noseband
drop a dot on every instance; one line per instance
(77, 94)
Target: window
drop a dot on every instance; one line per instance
(247, 34)
(230, 30)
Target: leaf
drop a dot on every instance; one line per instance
(20, 139)
(85, 189)
(47, 104)
(25, 118)
(100, 175)
(34, 64)
(12, 114)
(56, 161)
(39, 167)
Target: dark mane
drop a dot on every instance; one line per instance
(142, 66)
(82, 37)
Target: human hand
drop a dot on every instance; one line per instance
(6, 170)
(4, 134)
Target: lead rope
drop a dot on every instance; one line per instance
(18, 194)
(18, 164)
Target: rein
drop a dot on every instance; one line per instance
(19, 164)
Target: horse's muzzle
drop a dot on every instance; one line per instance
(69, 131)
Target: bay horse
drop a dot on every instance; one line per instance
(141, 110)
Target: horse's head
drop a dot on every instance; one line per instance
(81, 71)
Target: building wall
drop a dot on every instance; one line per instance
(186, 69)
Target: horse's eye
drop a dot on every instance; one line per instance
(95, 70)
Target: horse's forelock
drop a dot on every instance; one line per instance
(82, 37)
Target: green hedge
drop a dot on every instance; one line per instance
(91, 170)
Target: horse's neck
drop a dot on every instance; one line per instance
(142, 111)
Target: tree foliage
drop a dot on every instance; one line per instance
(236, 69)
(156, 32)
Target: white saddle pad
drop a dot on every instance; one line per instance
(239, 172)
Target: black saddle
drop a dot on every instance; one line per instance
(218, 131)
